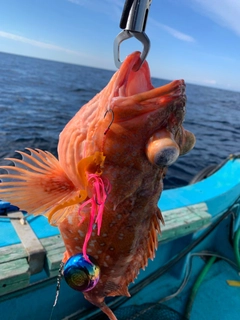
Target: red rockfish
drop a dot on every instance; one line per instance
(103, 190)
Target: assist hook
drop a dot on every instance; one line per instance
(133, 22)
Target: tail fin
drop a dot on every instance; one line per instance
(100, 303)
(37, 184)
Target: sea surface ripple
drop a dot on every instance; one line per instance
(38, 97)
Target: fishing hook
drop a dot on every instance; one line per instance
(111, 122)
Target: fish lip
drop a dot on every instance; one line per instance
(134, 95)
(173, 90)
(131, 83)
(129, 107)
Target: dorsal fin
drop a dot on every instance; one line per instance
(149, 247)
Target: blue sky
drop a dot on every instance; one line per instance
(198, 40)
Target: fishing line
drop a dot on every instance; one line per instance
(59, 278)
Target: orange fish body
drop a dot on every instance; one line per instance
(103, 191)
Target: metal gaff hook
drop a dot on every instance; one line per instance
(133, 21)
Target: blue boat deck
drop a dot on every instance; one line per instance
(214, 300)
(199, 220)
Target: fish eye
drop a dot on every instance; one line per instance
(166, 156)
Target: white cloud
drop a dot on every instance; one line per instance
(112, 8)
(35, 43)
(208, 81)
(223, 12)
(175, 33)
(202, 81)
(93, 3)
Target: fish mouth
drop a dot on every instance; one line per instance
(157, 113)
(134, 94)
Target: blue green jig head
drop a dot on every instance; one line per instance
(81, 274)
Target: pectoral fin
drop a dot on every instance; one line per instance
(37, 183)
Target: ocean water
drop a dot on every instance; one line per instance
(38, 98)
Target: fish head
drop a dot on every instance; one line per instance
(142, 121)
